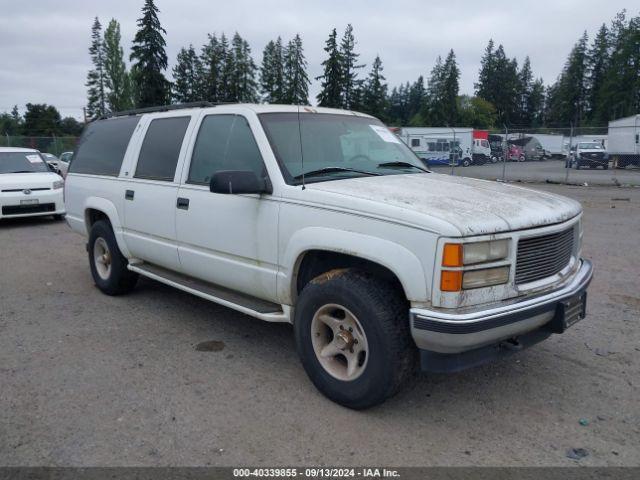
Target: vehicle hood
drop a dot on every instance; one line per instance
(10, 181)
(433, 201)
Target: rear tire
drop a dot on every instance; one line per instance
(466, 162)
(385, 355)
(108, 265)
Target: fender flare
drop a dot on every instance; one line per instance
(396, 258)
(109, 209)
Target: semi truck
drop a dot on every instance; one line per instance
(624, 142)
(446, 146)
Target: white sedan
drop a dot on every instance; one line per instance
(28, 187)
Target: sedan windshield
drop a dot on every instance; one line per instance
(22, 162)
(332, 146)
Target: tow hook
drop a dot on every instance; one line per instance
(511, 344)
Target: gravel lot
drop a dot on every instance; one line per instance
(548, 170)
(87, 379)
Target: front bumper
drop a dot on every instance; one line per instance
(49, 202)
(457, 337)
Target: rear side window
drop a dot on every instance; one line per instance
(225, 142)
(161, 147)
(102, 146)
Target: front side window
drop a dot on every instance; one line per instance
(22, 162)
(161, 148)
(224, 142)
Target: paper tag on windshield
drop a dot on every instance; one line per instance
(385, 134)
(34, 158)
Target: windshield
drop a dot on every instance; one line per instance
(22, 162)
(590, 146)
(336, 146)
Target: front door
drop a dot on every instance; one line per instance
(150, 196)
(226, 239)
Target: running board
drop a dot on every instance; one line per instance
(255, 307)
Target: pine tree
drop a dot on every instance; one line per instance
(568, 100)
(96, 92)
(415, 97)
(450, 87)
(486, 86)
(331, 80)
(117, 79)
(148, 52)
(498, 83)
(525, 85)
(295, 73)
(375, 100)
(243, 86)
(210, 69)
(350, 67)
(227, 71)
(431, 113)
(597, 66)
(186, 76)
(535, 104)
(272, 82)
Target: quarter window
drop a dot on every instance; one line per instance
(224, 142)
(102, 146)
(161, 148)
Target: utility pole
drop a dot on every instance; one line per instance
(505, 151)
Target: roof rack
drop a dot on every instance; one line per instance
(161, 108)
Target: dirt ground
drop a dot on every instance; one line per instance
(92, 380)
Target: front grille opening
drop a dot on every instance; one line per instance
(25, 209)
(543, 256)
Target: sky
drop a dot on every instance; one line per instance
(44, 43)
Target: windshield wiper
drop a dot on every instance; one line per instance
(322, 171)
(401, 164)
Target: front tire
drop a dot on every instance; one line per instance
(352, 336)
(108, 265)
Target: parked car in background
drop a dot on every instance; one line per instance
(590, 155)
(325, 219)
(28, 187)
(66, 157)
(59, 166)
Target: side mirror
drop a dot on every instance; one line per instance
(238, 181)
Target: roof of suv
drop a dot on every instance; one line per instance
(257, 108)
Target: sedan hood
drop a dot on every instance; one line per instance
(23, 181)
(472, 207)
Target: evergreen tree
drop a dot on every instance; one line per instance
(374, 99)
(295, 73)
(535, 104)
(186, 76)
(525, 86)
(597, 65)
(415, 97)
(568, 101)
(498, 83)
(96, 92)
(331, 80)
(430, 113)
(227, 71)
(450, 87)
(243, 86)
(148, 53)
(272, 81)
(210, 69)
(350, 67)
(117, 80)
(486, 87)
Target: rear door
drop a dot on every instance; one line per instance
(150, 195)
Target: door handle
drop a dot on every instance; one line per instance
(183, 203)
(128, 195)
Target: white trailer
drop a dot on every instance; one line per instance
(436, 145)
(624, 141)
(553, 145)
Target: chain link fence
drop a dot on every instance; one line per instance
(54, 145)
(575, 156)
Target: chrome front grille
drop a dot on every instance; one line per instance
(543, 256)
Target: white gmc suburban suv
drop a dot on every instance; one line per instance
(325, 219)
(28, 187)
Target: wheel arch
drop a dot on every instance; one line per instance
(316, 250)
(95, 209)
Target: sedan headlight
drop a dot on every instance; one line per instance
(58, 184)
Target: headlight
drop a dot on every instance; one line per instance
(485, 277)
(461, 255)
(58, 184)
